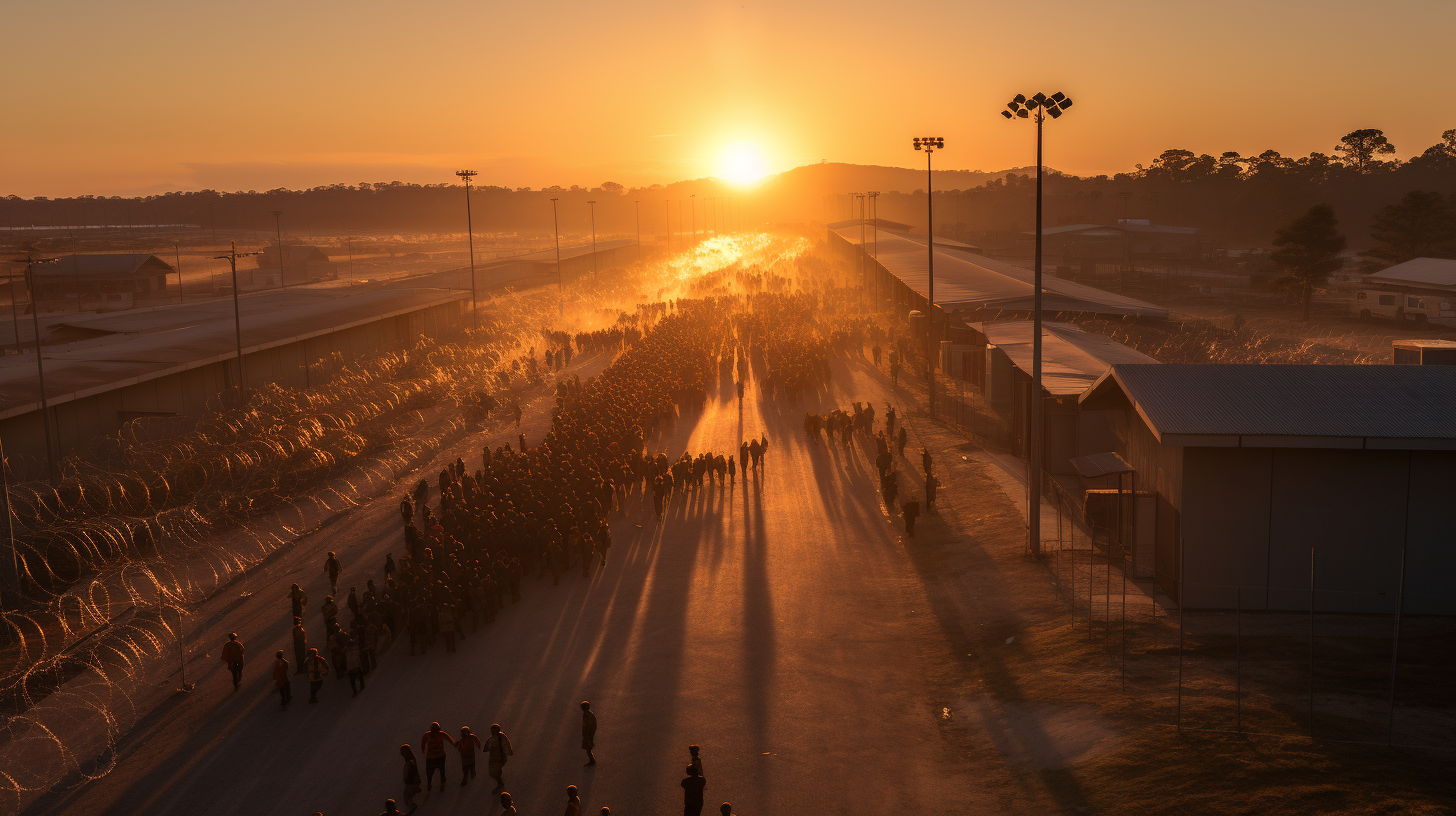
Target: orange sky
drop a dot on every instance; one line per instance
(122, 97)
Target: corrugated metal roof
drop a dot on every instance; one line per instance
(1071, 359)
(961, 282)
(128, 263)
(1370, 401)
(1439, 272)
(549, 255)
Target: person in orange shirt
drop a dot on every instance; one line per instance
(433, 745)
(467, 745)
(232, 655)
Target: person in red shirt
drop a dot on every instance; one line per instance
(467, 745)
(232, 655)
(433, 745)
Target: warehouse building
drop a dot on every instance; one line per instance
(1290, 487)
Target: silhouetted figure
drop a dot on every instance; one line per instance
(911, 511)
(932, 486)
(695, 760)
(498, 752)
(508, 806)
(281, 679)
(333, 568)
(300, 645)
(411, 777)
(692, 786)
(573, 801)
(232, 655)
(588, 732)
(318, 669)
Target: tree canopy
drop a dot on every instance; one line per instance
(1308, 250)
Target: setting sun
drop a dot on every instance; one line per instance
(741, 163)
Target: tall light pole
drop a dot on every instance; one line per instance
(466, 175)
(560, 285)
(929, 144)
(667, 223)
(593, 206)
(875, 233)
(232, 259)
(1038, 107)
(45, 414)
(639, 229)
(278, 224)
(864, 268)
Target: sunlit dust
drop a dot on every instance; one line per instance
(741, 163)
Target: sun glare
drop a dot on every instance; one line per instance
(741, 163)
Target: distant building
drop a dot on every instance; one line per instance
(1422, 290)
(1283, 487)
(301, 264)
(100, 282)
(1090, 249)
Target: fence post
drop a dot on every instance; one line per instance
(1395, 651)
(1182, 605)
(1311, 642)
(1239, 662)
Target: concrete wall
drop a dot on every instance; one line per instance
(1252, 516)
(79, 424)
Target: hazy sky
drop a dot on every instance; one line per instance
(105, 97)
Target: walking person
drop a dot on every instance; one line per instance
(911, 511)
(573, 801)
(333, 568)
(692, 786)
(281, 679)
(411, 777)
(318, 669)
(232, 655)
(695, 760)
(300, 645)
(300, 600)
(391, 808)
(588, 732)
(498, 751)
(508, 806)
(433, 746)
(467, 745)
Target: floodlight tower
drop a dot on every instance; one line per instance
(466, 176)
(593, 206)
(1037, 107)
(929, 144)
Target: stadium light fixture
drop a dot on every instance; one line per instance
(929, 144)
(1038, 107)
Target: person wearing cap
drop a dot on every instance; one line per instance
(232, 655)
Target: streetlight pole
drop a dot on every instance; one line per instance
(593, 206)
(875, 232)
(1020, 107)
(45, 412)
(278, 224)
(863, 267)
(466, 175)
(560, 286)
(929, 144)
(232, 259)
(639, 230)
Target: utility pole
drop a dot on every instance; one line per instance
(470, 241)
(45, 412)
(177, 249)
(232, 259)
(593, 206)
(278, 224)
(875, 231)
(560, 285)
(639, 229)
